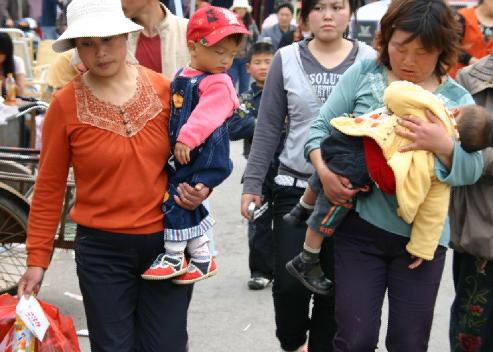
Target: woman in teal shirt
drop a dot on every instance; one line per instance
(370, 254)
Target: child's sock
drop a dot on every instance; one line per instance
(175, 249)
(310, 255)
(306, 205)
(199, 250)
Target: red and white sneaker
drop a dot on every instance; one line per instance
(166, 267)
(197, 271)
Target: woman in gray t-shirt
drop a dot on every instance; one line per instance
(300, 79)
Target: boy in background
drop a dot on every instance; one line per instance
(242, 126)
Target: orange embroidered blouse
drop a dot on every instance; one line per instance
(118, 154)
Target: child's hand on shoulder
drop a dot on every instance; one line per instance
(182, 153)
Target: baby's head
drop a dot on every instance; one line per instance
(475, 125)
(213, 37)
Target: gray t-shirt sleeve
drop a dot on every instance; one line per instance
(270, 124)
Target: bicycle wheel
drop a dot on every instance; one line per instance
(16, 168)
(13, 225)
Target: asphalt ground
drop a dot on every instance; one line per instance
(224, 315)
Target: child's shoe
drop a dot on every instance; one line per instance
(297, 216)
(165, 267)
(310, 274)
(197, 271)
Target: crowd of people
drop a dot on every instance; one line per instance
(350, 170)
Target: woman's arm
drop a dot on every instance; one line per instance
(47, 200)
(20, 72)
(48, 195)
(19, 83)
(341, 101)
(4, 12)
(337, 188)
(270, 124)
(454, 166)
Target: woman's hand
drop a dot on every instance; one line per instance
(246, 199)
(430, 136)
(191, 197)
(337, 188)
(416, 262)
(30, 282)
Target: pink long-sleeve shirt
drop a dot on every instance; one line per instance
(216, 104)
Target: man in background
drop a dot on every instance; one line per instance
(161, 46)
(12, 10)
(284, 12)
(48, 19)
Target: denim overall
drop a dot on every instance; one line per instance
(209, 163)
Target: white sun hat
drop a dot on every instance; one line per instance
(243, 4)
(94, 18)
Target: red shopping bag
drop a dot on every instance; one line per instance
(60, 336)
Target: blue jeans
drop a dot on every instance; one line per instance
(239, 74)
(49, 32)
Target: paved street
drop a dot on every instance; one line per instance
(224, 315)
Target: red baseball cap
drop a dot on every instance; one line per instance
(211, 24)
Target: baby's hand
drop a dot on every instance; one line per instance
(182, 153)
(416, 262)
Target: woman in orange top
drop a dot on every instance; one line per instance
(477, 41)
(111, 124)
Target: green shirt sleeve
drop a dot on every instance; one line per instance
(466, 167)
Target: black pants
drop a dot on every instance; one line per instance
(124, 312)
(369, 261)
(260, 233)
(291, 299)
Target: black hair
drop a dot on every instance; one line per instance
(432, 22)
(7, 48)
(287, 5)
(260, 48)
(308, 5)
(475, 128)
(237, 37)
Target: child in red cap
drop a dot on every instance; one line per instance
(203, 98)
